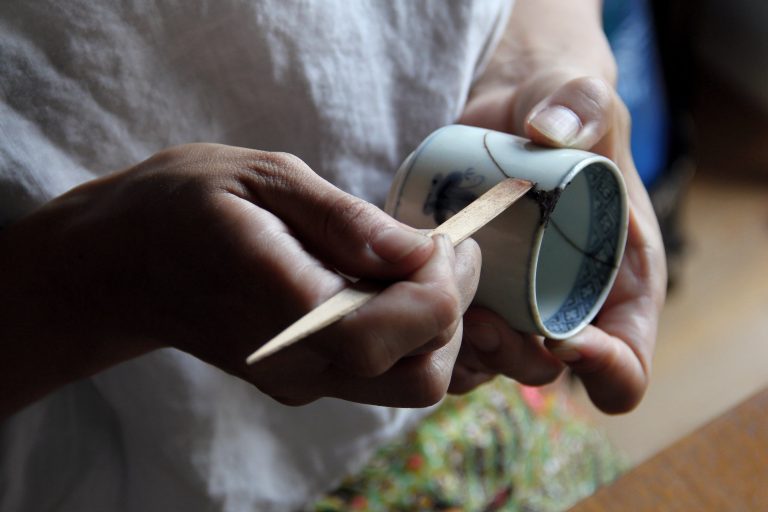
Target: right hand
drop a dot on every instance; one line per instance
(214, 249)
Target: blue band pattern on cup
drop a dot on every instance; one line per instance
(600, 256)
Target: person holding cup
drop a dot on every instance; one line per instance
(210, 248)
(559, 95)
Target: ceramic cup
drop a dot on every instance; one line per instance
(550, 260)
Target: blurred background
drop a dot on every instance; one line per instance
(695, 76)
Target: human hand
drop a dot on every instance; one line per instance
(214, 249)
(573, 104)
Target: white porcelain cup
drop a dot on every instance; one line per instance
(550, 260)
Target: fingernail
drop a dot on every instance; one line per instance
(395, 244)
(565, 350)
(557, 123)
(484, 337)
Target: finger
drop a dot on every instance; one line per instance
(493, 347)
(577, 114)
(611, 372)
(467, 271)
(465, 378)
(268, 266)
(353, 235)
(404, 317)
(418, 381)
(289, 376)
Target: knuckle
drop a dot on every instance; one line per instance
(428, 386)
(465, 380)
(280, 162)
(344, 214)
(428, 378)
(436, 308)
(323, 283)
(445, 307)
(444, 337)
(426, 391)
(598, 89)
(596, 94)
(171, 158)
(368, 358)
(263, 172)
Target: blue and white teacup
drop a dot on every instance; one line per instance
(550, 260)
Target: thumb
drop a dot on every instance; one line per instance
(577, 114)
(345, 232)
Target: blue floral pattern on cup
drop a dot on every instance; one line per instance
(597, 267)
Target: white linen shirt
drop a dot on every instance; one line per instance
(86, 88)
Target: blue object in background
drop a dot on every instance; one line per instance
(629, 28)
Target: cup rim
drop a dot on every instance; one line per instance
(535, 314)
(392, 206)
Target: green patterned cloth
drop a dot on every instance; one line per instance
(502, 447)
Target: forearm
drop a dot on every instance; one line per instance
(49, 334)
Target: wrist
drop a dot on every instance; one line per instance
(545, 36)
(50, 334)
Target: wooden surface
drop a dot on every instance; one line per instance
(721, 467)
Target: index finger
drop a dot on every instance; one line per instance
(404, 317)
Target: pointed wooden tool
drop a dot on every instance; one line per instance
(458, 228)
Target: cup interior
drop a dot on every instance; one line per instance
(580, 249)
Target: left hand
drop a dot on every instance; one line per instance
(570, 106)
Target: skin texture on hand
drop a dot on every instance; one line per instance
(551, 80)
(213, 250)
